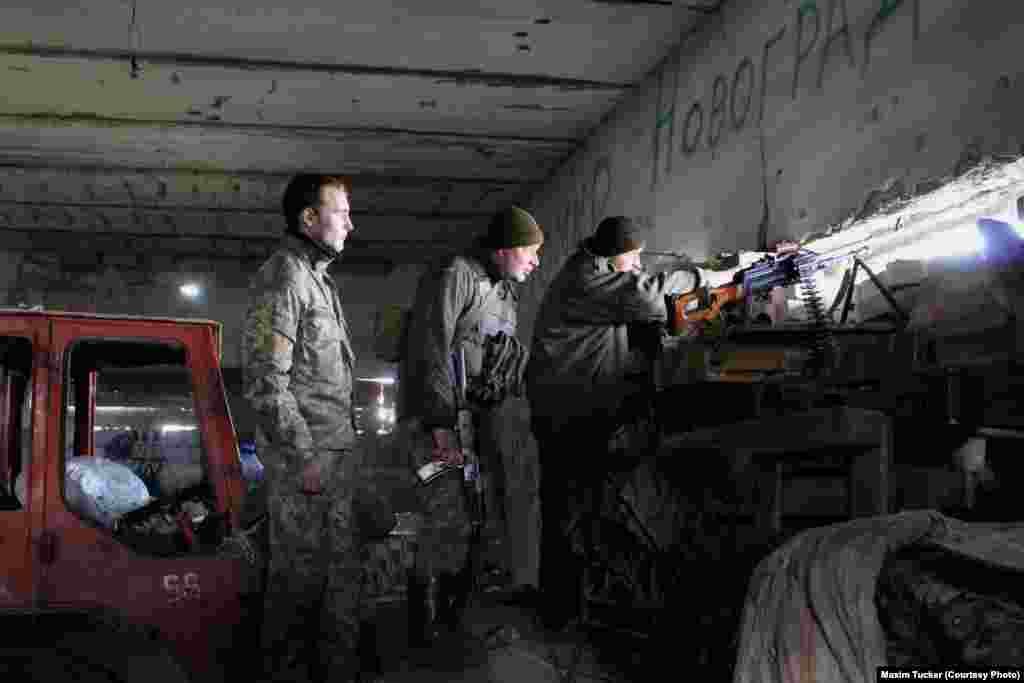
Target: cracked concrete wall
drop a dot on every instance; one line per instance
(779, 119)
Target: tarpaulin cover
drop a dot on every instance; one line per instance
(810, 612)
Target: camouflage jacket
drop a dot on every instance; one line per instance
(459, 300)
(580, 351)
(297, 358)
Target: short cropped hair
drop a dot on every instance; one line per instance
(303, 191)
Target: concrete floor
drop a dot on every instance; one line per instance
(503, 643)
(502, 637)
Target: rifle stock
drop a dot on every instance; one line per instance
(465, 432)
(702, 304)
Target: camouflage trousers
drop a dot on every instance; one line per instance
(442, 543)
(442, 540)
(312, 601)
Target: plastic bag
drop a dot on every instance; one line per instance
(103, 490)
(252, 468)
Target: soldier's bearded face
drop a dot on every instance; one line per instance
(516, 263)
(330, 223)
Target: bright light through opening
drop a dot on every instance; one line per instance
(959, 242)
(177, 428)
(190, 290)
(120, 409)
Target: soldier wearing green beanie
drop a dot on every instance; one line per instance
(464, 303)
(513, 228)
(579, 385)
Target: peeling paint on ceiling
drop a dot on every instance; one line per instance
(182, 122)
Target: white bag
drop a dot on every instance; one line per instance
(103, 490)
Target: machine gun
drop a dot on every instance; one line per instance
(753, 282)
(731, 304)
(757, 280)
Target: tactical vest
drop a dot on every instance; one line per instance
(492, 309)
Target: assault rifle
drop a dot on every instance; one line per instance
(465, 434)
(466, 581)
(473, 483)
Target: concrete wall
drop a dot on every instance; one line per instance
(781, 117)
(775, 120)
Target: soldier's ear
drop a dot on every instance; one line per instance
(307, 216)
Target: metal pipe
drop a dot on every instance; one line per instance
(1000, 432)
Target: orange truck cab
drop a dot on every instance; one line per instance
(121, 498)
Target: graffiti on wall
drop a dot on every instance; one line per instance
(815, 40)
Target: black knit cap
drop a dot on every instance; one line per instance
(615, 235)
(512, 227)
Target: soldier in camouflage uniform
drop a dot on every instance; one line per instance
(466, 301)
(297, 361)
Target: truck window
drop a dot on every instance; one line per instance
(134, 457)
(15, 420)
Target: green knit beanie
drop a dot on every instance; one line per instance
(512, 227)
(615, 235)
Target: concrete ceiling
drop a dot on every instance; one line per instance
(176, 124)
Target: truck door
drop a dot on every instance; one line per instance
(136, 503)
(23, 380)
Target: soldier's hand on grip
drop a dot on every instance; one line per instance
(446, 447)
